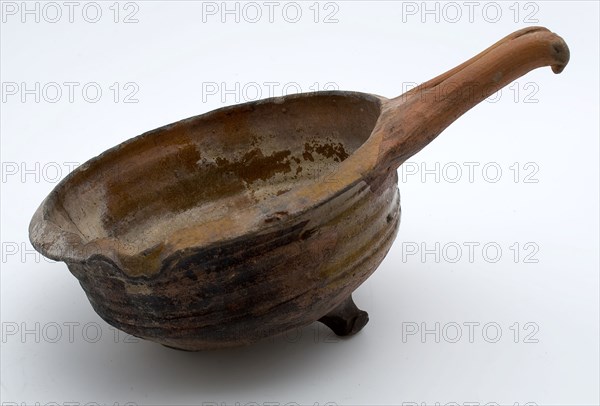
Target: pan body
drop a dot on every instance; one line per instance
(256, 286)
(204, 174)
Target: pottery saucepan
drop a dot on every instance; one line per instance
(251, 220)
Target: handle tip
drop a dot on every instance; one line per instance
(561, 54)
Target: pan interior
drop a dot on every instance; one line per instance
(213, 165)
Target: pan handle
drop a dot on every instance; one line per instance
(411, 121)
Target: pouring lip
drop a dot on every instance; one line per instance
(58, 243)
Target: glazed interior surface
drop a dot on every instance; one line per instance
(211, 166)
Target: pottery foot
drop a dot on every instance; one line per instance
(346, 319)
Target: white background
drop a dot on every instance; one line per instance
(546, 123)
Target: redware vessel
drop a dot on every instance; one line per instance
(251, 220)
